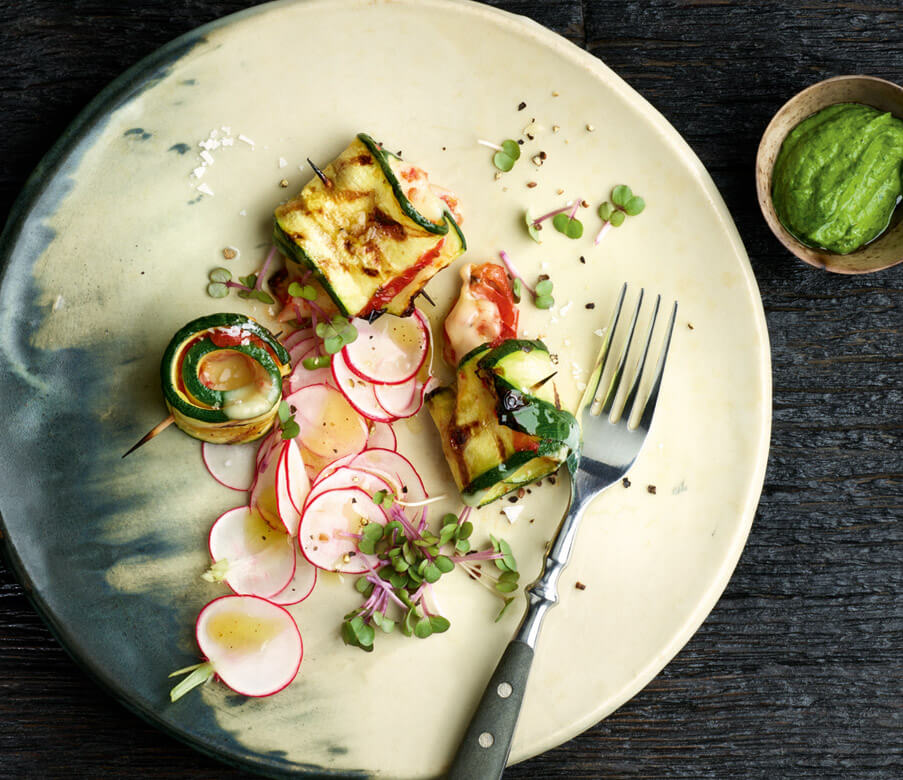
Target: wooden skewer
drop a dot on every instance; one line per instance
(540, 383)
(320, 175)
(158, 428)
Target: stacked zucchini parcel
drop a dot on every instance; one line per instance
(501, 426)
(355, 229)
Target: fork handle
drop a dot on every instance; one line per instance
(484, 750)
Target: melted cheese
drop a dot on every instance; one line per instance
(473, 321)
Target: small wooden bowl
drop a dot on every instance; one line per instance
(885, 251)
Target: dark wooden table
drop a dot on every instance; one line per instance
(797, 672)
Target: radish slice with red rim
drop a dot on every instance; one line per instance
(300, 586)
(331, 527)
(263, 491)
(359, 392)
(292, 487)
(389, 350)
(232, 465)
(297, 337)
(249, 555)
(400, 472)
(301, 350)
(329, 425)
(402, 400)
(382, 436)
(252, 645)
(303, 377)
(345, 477)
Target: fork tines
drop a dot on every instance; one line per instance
(603, 403)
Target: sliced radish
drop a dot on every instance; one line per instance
(250, 644)
(302, 377)
(382, 436)
(330, 426)
(232, 465)
(263, 491)
(402, 400)
(300, 586)
(297, 337)
(292, 487)
(302, 348)
(359, 392)
(346, 477)
(249, 555)
(331, 526)
(389, 350)
(400, 472)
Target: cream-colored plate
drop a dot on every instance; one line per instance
(111, 257)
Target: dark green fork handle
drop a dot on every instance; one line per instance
(487, 742)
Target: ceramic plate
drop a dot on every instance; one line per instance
(107, 254)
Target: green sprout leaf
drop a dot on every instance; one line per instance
(336, 333)
(635, 206)
(517, 290)
(423, 629)
(290, 428)
(543, 293)
(311, 363)
(307, 291)
(504, 160)
(621, 195)
(572, 228)
(507, 603)
(220, 275)
(533, 230)
(606, 210)
(465, 530)
(444, 564)
(383, 498)
(217, 290)
(439, 624)
(617, 219)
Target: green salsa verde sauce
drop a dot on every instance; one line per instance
(837, 178)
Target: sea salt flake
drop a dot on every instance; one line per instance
(565, 309)
(198, 172)
(228, 142)
(227, 129)
(600, 332)
(207, 157)
(244, 139)
(282, 162)
(205, 189)
(512, 513)
(57, 303)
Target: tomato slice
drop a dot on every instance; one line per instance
(489, 281)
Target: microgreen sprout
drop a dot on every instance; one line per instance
(505, 155)
(409, 562)
(336, 333)
(568, 224)
(306, 291)
(321, 361)
(542, 297)
(219, 277)
(290, 428)
(541, 292)
(534, 225)
(623, 204)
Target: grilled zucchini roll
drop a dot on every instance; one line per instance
(372, 232)
(222, 378)
(501, 427)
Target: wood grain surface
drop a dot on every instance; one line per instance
(797, 672)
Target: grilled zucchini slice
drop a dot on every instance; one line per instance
(372, 235)
(222, 378)
(495, 435)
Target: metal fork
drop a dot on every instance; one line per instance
(609, 450)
